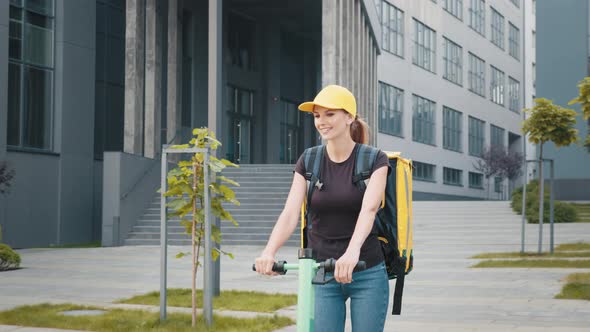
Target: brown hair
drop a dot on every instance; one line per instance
(359, 131)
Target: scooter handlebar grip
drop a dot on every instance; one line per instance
(276, 267)
(330, 265)
(360, 266)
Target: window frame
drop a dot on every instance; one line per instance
(398, 94)
(449, 172)
(477, 73)
(477, 16)
(452, 129)
(423, 35)
(476, 136)
(419, 104)
(454, 7)
(498, 27)
(24, 66)
(513, 94)
(388, 30)
(452, 62)
(427, 168)
(513, 41)
(472, 175)
(497, 96)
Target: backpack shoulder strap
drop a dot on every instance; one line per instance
(365, 158)
(312, 158)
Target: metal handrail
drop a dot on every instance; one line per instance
(154, 162)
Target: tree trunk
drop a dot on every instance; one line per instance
(541, 196)
(194, 254)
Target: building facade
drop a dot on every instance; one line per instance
(452, 79)
(563, 60)
(91, 89)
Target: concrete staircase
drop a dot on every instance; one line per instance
(262, 193)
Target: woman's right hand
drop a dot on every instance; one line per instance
(264, 264)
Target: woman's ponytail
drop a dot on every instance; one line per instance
(359, 131)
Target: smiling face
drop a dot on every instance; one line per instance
(331, 123)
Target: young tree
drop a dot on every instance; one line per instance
(548, 123)
(6, 176)
(584, 100)
(511, 165)
(187, 188)
(490, 162)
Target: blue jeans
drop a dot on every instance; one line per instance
(369, 298)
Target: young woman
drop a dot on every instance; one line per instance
(341, 219)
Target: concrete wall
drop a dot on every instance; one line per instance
(562, 55)
(403, 74)
(3, 93)
(74, 116)
(52, 197)
(130, 183)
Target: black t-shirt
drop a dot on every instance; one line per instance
(334, 210)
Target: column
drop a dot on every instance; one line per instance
(329, 42)
(215, 83)
(134, 76)
(174, 89)
(153, 81)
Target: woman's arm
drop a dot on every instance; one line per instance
(364, 225)
(285, 225)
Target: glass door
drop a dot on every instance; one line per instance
(240, 114)
(290, 132)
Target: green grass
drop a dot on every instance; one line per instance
(47, 315)
(579, 246)
(577, 287)
(581, 254)
(227, 300)
(583, 211)
(95, 244)
(535, 263)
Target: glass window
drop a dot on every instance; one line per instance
(454, 7)
(497, 136)
(452, 176)
(391, 105)
(477, 16)
(109, 99)
(476, 136)
(423, 172)
(452, 125)
(453, 62)
(498, 184)
(497, 28)
(513, 94)
(424, 53)
(497, 86)
(30, 74)
(241, 42)
(423, 120)
(475, 180)
(516, 3)
(513, 41)
(393, 29)
(477, 75)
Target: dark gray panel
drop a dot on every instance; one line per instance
(32, 205)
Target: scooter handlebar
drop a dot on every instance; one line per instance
(329, 265)
(278, 267)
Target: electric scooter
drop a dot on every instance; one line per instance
(310, 273)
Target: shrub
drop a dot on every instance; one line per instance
(9, 259)
(563, 212)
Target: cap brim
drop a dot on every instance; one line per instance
(309, 105)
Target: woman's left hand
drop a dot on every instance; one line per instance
(345, 265)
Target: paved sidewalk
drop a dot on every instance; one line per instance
(441, 294)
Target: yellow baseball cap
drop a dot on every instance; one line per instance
(332, 97)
